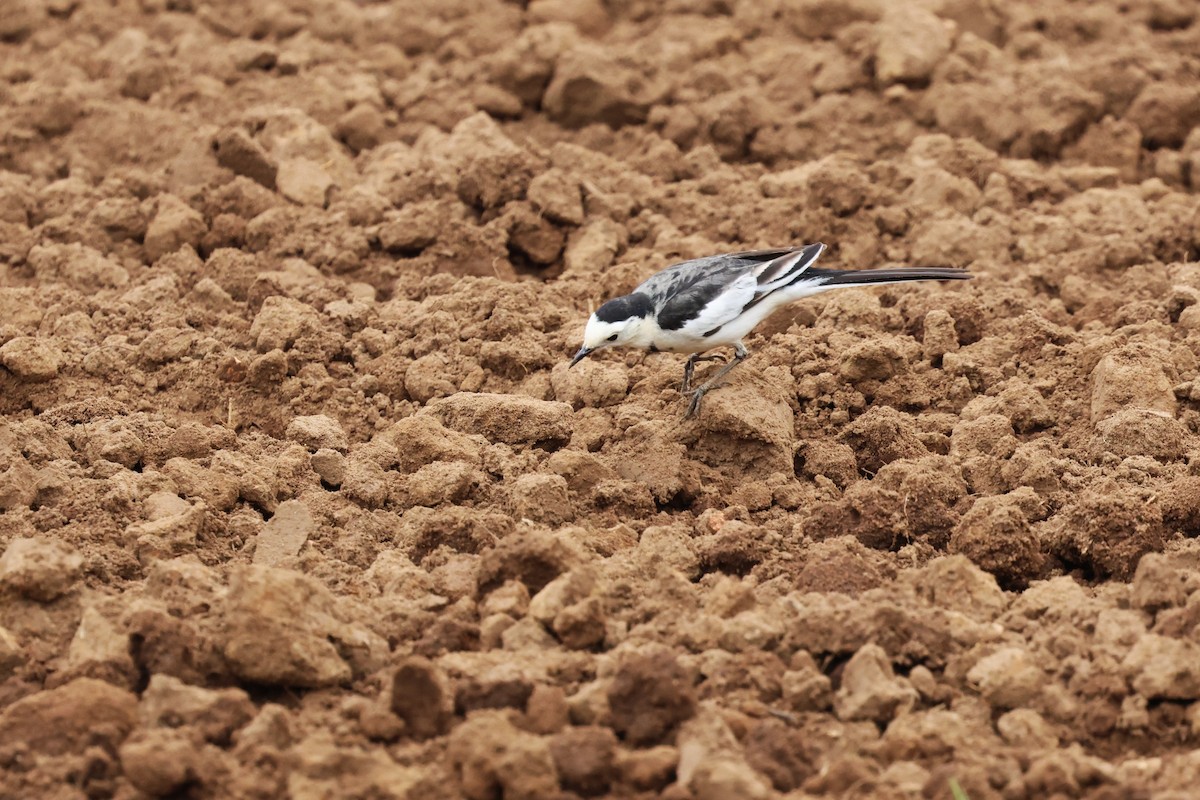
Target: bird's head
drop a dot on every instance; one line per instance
(616, 323)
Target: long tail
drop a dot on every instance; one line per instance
(865, 277)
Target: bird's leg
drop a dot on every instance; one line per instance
(740, 354)
(690, 367)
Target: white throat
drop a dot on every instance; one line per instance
(641, 332)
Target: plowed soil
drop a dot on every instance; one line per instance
(299, 499)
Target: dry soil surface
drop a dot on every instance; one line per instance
(299, 499)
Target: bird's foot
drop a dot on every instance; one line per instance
(690, 367)
(697, 395)
(739, 355)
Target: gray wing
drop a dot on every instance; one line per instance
(709, 292)
(665, 283)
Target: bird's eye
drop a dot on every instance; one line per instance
(612, 338)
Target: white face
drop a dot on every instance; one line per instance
(599, 333)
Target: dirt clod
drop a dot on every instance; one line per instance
(278, 626)
(490, 755)
(650, 696)
(284, 534)
(996, 535)
(870, 690)
(66, 719)
(30, 358)
(881, 436)
(40, 568)
(584, 758)
(174, 225)
(421, 698)
(507, 418)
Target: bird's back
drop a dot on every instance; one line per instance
(709, 271)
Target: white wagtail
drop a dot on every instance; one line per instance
(715, 301)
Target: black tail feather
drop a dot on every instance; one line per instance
(864, 277)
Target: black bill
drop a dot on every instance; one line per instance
(583, 353)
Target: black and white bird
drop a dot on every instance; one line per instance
(711, 302)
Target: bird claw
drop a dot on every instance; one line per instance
(687, 372)
(712, 383)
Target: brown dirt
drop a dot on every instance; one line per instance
(298, 498)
